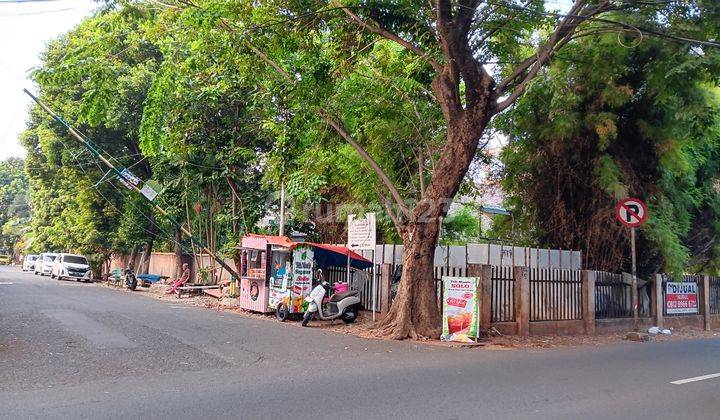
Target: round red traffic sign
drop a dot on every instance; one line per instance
(631, 212)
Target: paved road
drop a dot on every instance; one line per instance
(72, 350)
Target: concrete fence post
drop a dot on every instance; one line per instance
(588, 300)
(522, 300)
(634, 298)
(486, 290)
(658, 301)
(385, 281)
(706, 301)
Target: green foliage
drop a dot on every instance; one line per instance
(461, 226)
(14, 210)
(647, 125)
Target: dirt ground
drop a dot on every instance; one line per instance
(363, 326)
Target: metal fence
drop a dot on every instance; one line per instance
(502, 295)
(714, 295)
(362, 283)
(613, 297)
(555, 295)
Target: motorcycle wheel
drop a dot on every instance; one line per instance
(282, 313)
(349, 316)
(306, 318)
(133, 284)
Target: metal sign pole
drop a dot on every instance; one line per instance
(632, 250)
(374, 290)
(348, 270)
(634, 279)
(632, 212)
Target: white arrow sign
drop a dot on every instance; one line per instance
(362, 232)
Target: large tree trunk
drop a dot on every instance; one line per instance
(415, 313)
(133, 257)
(144, 264)
(178, 253)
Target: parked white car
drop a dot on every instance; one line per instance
(71, 266)
(29, 262)
(44, 263)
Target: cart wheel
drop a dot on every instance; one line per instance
(282, 313)
(306, 318)
(349, 316)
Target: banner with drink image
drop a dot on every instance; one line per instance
(460, 309)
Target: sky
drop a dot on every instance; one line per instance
(25, 28)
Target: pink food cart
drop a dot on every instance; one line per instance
(260, 254)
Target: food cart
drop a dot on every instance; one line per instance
(261, 256)
(291, 281)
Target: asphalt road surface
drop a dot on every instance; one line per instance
(73, 350)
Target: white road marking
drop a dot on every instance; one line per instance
(695, 379)
(5, 283)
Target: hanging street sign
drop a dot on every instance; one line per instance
(631, 212)
(148, 191)
(128, 179)
(362, 232)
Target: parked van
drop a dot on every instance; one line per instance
(71, 266)
(29, 262)
(44, 263)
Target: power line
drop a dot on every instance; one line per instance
(39, 12)
(96, 153)
(27, 1)
(155, 235)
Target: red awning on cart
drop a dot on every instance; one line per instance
(255, 241)
(337, 256)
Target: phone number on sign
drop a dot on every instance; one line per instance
(681, 304)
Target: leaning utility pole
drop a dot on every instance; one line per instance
(131, 185)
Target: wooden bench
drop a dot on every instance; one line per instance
(191, 289)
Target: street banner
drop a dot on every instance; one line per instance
(302, 274)
(681, 298)
(460, 309)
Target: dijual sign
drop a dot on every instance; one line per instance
(681, 298)
(460, 309)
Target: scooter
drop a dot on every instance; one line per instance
(130, 279)
(343, 305)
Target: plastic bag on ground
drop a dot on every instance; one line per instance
(654, 330)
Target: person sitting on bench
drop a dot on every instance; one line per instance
(182, 280)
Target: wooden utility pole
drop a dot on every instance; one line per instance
(131, 185)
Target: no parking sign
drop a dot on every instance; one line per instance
(631, 212)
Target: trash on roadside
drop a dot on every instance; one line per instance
(493, 332)
(666, 332)
(637, 336)
(654, 330)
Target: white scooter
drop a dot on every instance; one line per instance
(343, 305)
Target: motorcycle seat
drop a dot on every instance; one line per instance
(337, 297)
